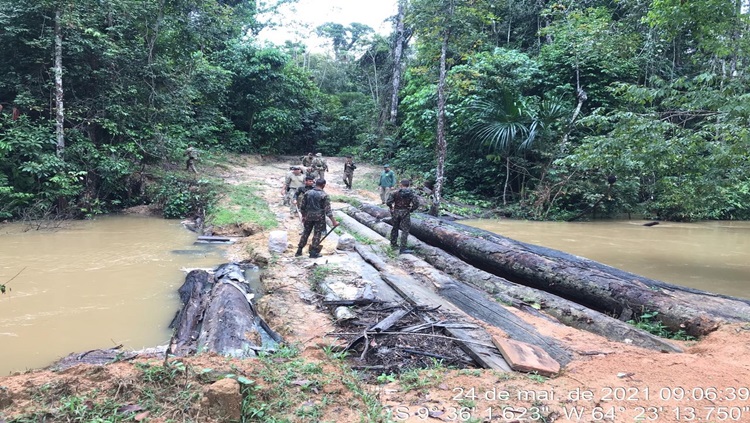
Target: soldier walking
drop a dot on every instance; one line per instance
(402, 203)
(349, 167)
(307, 164)
(192, 156)
(309, 184)
(387, 181)
(319, 166)
(315, 207)
(293, 180)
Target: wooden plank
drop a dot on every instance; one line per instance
(214, 240)
(525, 357)
(483, 354)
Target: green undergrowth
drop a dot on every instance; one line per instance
(278, 387)
(336, 198)
(367, 181)
(243, 205)
(648, 321)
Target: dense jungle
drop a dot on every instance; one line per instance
(533, 109)
(541, 110)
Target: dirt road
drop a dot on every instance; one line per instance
(607, 381)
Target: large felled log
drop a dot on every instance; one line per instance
(565, 311)
(464, 298)
(218, 316)
(584, 281)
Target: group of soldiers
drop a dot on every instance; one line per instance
(305, 196)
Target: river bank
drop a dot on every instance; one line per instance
(606, 380)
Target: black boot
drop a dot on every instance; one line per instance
(299, 252)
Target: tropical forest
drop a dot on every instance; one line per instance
(543, 110)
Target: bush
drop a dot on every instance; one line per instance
(180, 198)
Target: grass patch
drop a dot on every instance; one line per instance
(423, 379)
(362, 239)
(279, 387)
(320, 273)
(345, 199)
(243, 205)
(648, 322)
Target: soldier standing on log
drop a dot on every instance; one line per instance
(315, 207)
(402, 203)
(349, 167)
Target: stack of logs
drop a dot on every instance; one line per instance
(577, 291)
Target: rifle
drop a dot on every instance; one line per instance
(326, 235)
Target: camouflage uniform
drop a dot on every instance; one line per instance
(307, 160)
(319, 167)
(402, 203)
(349, 173)
(192, 156)
(291, 183)
(315, 207)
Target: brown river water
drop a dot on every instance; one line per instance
(712, 256)
(92, 284)
(114, 280)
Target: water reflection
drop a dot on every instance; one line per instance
(92, 284)
(713, 256)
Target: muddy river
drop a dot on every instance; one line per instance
(92, 284)
(712, 256)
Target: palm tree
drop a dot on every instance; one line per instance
(510, 125)
(500, 126)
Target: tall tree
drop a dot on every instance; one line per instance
(399, 42)
(59, 109)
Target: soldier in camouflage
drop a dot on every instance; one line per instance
(300, 192)
(294, 179)
(319, 166)
(307, 160)
(402, 203)
(349, 167)
(315, 207)
(192, 156)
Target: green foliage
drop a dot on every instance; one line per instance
(180, 197)
(243, 205)
(384, 378)
(648, 321)
(665, 110)
(422, 379)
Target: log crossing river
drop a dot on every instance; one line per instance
(712, 256)
(92, 284)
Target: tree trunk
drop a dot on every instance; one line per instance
(507, 180)
(398, 52)
(586, 282)
(218, 316)
(523, 298)
(59, 111)
(442, 144)
(431, 293)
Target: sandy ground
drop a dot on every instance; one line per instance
(606, 381)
